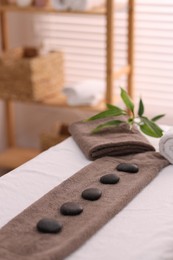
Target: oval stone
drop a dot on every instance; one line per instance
(110, 178)
(47, 225)
(127, 167)
(71, 209)
(91, 194)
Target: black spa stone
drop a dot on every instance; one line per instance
(110, 178)
(47, 225)
(91, 194)
(127, 167)
(71, 209)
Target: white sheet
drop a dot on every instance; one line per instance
(142, 230)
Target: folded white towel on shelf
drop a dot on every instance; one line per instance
(76, 5)
(89, 92)
(166, 145)
(61, 5)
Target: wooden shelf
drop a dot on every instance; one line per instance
(34, 9)
(123, 71)
(16, 156)
(61, 101)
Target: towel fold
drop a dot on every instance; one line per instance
(108, 142)
(166, 145)
(76, 5)
(20, 240)
(89, 92)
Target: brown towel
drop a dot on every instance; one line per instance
(113, 141)
(20, 240)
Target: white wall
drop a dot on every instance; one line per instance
(154, 56)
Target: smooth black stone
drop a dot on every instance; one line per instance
(127, 167)
(91, 194)
(71, 209)
(47, 225)
(110, 178)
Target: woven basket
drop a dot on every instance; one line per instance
(30, 78)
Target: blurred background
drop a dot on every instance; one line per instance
(81, 39)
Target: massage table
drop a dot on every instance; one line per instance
(142, 230)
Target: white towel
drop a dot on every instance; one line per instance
(76, 5)
(89, 92)
(61, 5)
(166, 145)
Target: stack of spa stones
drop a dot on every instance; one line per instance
(46, 225)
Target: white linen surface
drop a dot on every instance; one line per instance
(142, 230)
(88, 92)
(166, 145)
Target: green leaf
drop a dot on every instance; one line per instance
(127, 100)
(148, 127)
(115, 108)
(106, 113)
(108, 124)
(157, 117)
(130, 122)
(141, 108)
(147, 131)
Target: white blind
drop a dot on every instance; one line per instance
(82, 40)
(154, 55)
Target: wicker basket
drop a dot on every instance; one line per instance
(58, 134)
(30, 78)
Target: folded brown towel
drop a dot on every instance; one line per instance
(112, 141)
(20, 240)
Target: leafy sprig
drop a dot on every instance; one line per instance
(147, 126)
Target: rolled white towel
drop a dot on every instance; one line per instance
(85, 5)
(88, 92)
(166, 145)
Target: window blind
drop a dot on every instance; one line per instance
(154, 55)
